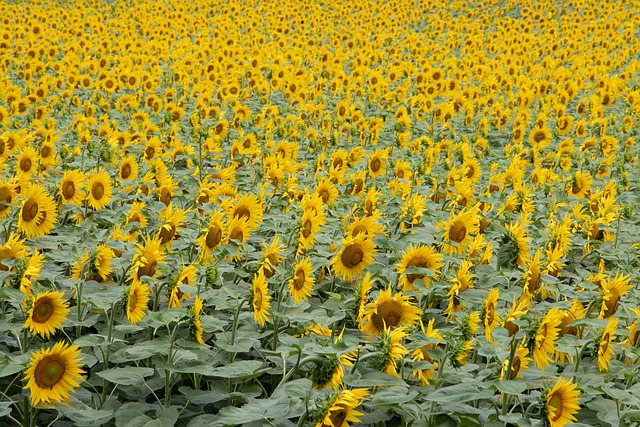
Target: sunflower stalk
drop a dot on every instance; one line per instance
(107, 354)
(234, 328)
(299, 363)
(276, 317)
(168, 372)
(512, 353)
(579, 356)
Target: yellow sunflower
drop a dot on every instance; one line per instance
(327, 373)
(390, 349)
(519, 363)
(457, 231)
(38, 215)
(312, 223)
(53, 373)
(341, 408)
(27, 162)
(13, 248)
(540, 137)
(260, 299)
(46, 313)
(195, 324)
(99, 186)
(389, 312)
(327, 191)
(212, 235)
(137, 301)
(301, 283)
(147, 258)
(186, 276)
(580, 185)
(249, 208)
(489, 313)
(612, 291)
(7, 197)
(515, 246)
(377, 162)
(367, 225)
(561, 402)
(605, 344)
(421, 354)
(356, 254)
(361, 296)
(271, 257)
(171, 219)
(96, 266)
(544, 340)
(419, 257)
(26, 272)
(238, 229)
(71, 187)
(128, 169)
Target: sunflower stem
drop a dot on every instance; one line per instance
(167, 372)
(507, 377)
(110, 320)
(235, 321)
(579, 357)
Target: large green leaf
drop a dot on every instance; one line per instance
(126, 376)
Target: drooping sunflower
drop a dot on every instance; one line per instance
(71, 187)
(356, 254)
(458, 229)
(53, 373)
(605, 344)
(147, 258)
(389, 312)
(137, 301)
(327, 373)
(271, 257)
(128, 169)
(519, 363)
(612, 290)
(302, 281)
(171, 219)
(260, 299)
(185, 276)
(212, 235)
(195, 324)
(340, 410)
(514, 249)
(421, 354)
(7, 197)
(490, 316)
(361, 296)
(38, 215)
(100, 194)
(46, 313)
(544, 338)
(561, 402)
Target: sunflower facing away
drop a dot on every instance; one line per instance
(37, 216)
(301, 283)
(356, 254)
(390, 348)
(561, 402)
(341, 408)
(544, 341)
(195, 324)
(260, 299)
(389, 312)
(54, 373)
(137, 301)
(46, 313)
(420, 257)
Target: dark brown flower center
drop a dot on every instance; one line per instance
(29, 210)
(42, 310)
(388, 315)
(125, 171)
(25, 165)
(458, 231)
(49, 371)
(97, 190)
(352, 255)
(299, 279)
(214, 236)
(148, 269)
(375, 165)
(68, 189)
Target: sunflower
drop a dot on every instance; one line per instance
(71, 187)
(248, 207)
(519, 363)
(195, 324)
(471, 170)
(421, 354)
(457, 231)
(147, 258)
(389, 312)
(612, 291)
(356, 254)
(26, 271)
(238, 230)
(171, 220)
(463, 279)
(212, 235)
(186, 276)
(361, 296)
(377, 162)
(136, 220)
(26, 162)
(46, 313)
(460, 353)
(605, 344)
(37, 215)
(13, 248)
(532, 277)
(490, 316)
(128, 169)
(311, 224)
(137, 301)
(540, 137)
(95, 266)
(99, 186)
(327, 373)
(580, 185)
(7, 197)
(341, 408)
(390, 348)
(302, 281)
(327, 191)
(561, 403)
(515, 246)
(260, 299)
(543, 341)
(271, 257)
(53, 373)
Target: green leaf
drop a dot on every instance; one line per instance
(458, 393)
(241, 369)
(257, 410)
(511, 386)
(5, 408)
(83, 415)
(373, 379)
(125, 376)
(126, 414)
(394, 396)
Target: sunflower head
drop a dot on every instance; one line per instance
(390, 312)
(328, 373)
(46, 313)
(560, 402)
(356, 254)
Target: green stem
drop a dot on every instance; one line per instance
(167, 372)
(110, 320)
(507, 377)
(235, 321)
(363, 358)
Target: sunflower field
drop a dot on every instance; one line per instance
(329, 213)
